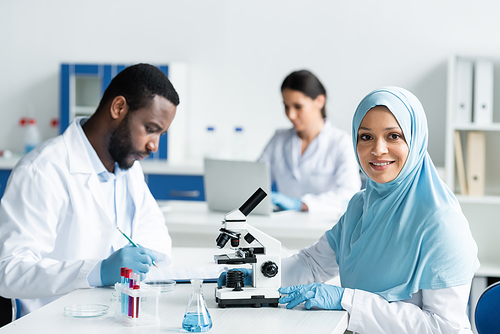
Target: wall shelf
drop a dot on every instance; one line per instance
(461, 97)
(474, 127)
(479, 199)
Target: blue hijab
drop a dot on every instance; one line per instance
(407, 234)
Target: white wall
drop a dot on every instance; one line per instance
(239, 52)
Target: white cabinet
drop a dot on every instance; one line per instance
(483, 212)
(472, 93)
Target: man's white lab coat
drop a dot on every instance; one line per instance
(53, 224)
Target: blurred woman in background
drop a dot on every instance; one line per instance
(312, 163)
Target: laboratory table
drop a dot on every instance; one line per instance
(192, 224)
(172, 306)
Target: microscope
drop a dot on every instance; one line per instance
(253, 247)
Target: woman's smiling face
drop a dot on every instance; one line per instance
(381, 146)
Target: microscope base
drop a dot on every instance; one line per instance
(253, 302)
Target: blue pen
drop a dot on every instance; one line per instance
(133, 243)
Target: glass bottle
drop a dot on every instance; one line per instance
(239, 148)
(197, 318)
(32, 135)
(211, 147)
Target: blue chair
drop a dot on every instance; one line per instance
(487, 314)
(10, 310)
(6, 311)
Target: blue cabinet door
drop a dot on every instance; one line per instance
(4, 177)
(176, 187)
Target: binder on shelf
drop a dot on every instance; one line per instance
(483, 92)
(476, 162)
(459, 158)
(463, 90)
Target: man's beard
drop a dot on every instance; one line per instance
(120, 144)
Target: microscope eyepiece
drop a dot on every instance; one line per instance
(253, 201)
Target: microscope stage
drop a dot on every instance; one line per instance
(233, 259)
(249, 296)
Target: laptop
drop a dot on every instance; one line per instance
(228, 184)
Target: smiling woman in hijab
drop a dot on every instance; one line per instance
(403, 248)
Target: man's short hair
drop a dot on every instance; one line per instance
(139, 84)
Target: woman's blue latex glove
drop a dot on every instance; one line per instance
(285, 202)
(320, 295)
(247, 274)
(139, 259)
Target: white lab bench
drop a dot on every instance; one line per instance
(192, 224)
(172, 307)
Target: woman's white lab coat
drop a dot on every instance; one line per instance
(428, 311)
(54, 226)
(325, 177)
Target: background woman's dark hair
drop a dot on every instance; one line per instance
(306, 83)
(139, 84)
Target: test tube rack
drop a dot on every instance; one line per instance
(145, 305)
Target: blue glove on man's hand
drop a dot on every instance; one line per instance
(324, 296)
(247, 274)
(285, 202)
(139, 259)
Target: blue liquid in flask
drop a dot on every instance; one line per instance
(197, 318)
(194, 322)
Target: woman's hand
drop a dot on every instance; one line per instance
(324, 296)
(285, 202)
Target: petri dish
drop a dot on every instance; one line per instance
(86, 310)
(163, 285)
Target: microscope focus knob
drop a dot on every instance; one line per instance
(269, 269)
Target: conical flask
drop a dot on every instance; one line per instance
(197, 318)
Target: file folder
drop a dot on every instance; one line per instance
(476, 162)
(463, 91)
(483, 92)
(459, 158)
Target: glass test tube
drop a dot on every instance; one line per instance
(130, 298)
(137, 286)
(123, 275)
